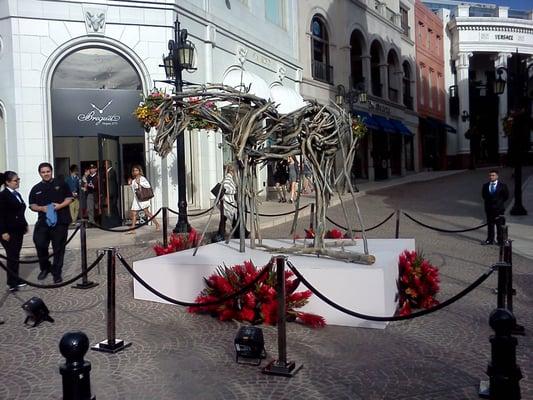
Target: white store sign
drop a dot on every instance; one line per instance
(504, 37)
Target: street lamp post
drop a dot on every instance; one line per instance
(517, 141)
(179, 58)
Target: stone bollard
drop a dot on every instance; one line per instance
(504, 374)
(75, 371)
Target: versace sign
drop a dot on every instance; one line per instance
(88, 112)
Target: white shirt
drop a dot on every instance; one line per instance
(16, 194)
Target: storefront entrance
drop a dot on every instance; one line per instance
(94, 93)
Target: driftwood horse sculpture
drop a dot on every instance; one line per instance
(257, 133)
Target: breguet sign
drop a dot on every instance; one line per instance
(88, 112)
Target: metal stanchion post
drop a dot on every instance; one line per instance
(165, 226)
(504, 374)
(397, 233)
(281, 366)
(85, 283)
(510, 292)
(76, 372)
(111, 344)
(312, 216)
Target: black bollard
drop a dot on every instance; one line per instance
(111, 344)
(397, 233)
(85, 283)
(165, 226)
(504, 374)
(281, 366)
(76, 372)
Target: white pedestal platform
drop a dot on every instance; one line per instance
(368, 289)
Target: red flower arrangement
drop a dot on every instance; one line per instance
(257, 306)
(418, 282)
(330, 234)
(178, 242)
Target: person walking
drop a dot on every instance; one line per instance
(293, 178)
(138, 180)
(73, 182)
(93, 193)
(50, 198)
(13, 226)
(228, 204)
(281, 175)
(495, 193)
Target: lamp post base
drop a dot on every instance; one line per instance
(518, 209)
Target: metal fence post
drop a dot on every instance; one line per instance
(111, 344)
(312, 216)
(165, 226)
(281, 366)
(397, 233)
(85, 283)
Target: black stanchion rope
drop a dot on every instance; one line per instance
(35, 260)
(129, 229)
(192, 215)
(56, 285)
(441, 229)
(360, 230)
(420, 313)
(274, 215)
(239, 292)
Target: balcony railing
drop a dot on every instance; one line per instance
(393, 94)
(408, 101)
(322, 72)
(406, 30)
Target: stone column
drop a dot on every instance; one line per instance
(462, 62)
(365, 59)
(383, 74)
(501, 61)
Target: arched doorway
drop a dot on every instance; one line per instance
(94, 91)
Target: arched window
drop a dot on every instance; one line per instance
(95, 68)
(406, 86)
(375, 66)
(392, 76)
(320, 64)
(356, 60)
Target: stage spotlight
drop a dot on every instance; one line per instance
(250, 344)
(36, 311)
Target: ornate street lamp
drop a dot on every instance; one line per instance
(179, 58)
(354, 96)
(522, 92)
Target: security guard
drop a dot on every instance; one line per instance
(50, 191)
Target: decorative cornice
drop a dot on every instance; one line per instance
(494, 28)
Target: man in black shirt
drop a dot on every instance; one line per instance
(50, 191)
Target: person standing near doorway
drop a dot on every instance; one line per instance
(13, 226)
(92, 193)
(50, 198)
(495, 193)
(138, 180)
(73, 182)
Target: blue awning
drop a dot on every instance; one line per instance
(385, 124)
(368, 120)
(437, 124)
(401, 128)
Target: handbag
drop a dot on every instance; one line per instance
(216, 189)
(144, 193)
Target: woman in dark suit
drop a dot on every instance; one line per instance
(13, 225)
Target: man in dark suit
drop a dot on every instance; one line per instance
(111, 216)
(495, 194)
(13, 225)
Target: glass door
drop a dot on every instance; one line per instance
(109, 172)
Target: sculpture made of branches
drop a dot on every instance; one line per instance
(257, 133)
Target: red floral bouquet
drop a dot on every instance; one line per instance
(418, 282)
(178, 242)
(259, 305)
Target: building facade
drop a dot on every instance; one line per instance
(431, 94)
(74, 72)
(365, 45)
(479, 41)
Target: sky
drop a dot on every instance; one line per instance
(514, 4)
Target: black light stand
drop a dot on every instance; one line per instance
(180, 57)
(517, 141)
(85, 283)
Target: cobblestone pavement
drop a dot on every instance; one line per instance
(176, 355)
